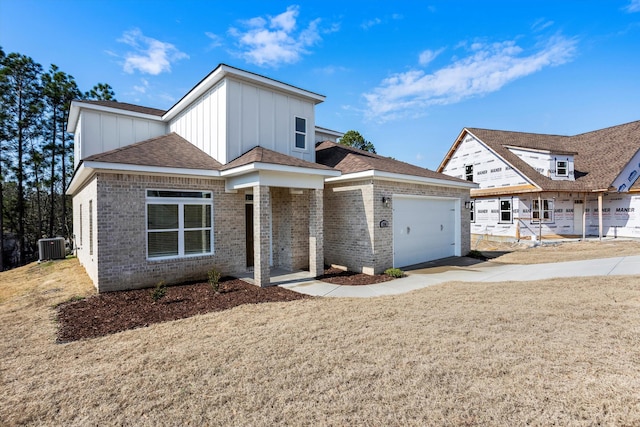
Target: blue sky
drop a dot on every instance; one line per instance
(408, 75)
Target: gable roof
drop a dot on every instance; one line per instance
(599, 156)
(264, 155)
(170, 151)
(350, 160)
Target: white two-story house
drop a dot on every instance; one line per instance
(229, 177)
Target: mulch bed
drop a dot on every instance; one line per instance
(113, 312)
(350, 278)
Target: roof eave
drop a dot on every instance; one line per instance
(87, 168)
(390, 176)
(76, 106)
(260, 166)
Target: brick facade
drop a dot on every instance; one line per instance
(352, 214)
(304, 228)
(119, 256)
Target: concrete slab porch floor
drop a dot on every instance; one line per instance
(462, 269)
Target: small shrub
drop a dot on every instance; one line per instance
(159, 291)
(214, 279)
(394, 272)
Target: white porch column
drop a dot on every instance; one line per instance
(600, 215)
(316, 232)
(261, 235)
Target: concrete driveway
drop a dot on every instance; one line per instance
(465, 269)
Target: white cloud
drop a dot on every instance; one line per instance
(634, 6)
(331, 69)
(426, 56)
(371, 23)
(142, 88)
(485, 69)
(149, 56)
(541, 24)
(216, 40)
(273, 40)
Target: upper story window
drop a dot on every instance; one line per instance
(562, 168)
(468, 172)
(301, 133)
(179, 223)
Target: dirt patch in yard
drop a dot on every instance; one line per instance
(525, 253)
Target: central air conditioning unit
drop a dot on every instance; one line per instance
(51, 248)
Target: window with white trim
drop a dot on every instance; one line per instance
(179, 223)
(562, 168)
(301, 133)
(505, 211)
(472, 211)
(544, 211)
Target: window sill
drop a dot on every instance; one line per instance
(181, 258)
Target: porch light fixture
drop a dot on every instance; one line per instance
(467, 204)
(386, 201)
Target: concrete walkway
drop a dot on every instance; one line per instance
(461, 269)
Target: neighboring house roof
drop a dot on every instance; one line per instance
(127, 107)
(599, 156)
(350, 160)
(171, 151)
(264, 155)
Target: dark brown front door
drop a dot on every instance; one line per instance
(248, 215)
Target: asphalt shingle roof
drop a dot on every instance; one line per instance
(600, 156)
(352, 160)
(264, 155)
(164, 151)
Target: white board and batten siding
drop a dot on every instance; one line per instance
(235, 116)
(489, 170)
(425, 229)
(99, 131)
(204, 122)
(262, 116)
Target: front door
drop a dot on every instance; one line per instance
(578, 211)
(248, 218)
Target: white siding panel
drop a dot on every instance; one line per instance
(249, 113)
(92, 136)
(284, 124)
(126, 134)
(109, 132)
(234, 120)
(267, 123)
(77, 144)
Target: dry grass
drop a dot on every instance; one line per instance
(520, 253)
(562, 352)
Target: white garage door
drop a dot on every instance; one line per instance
(423, 229)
